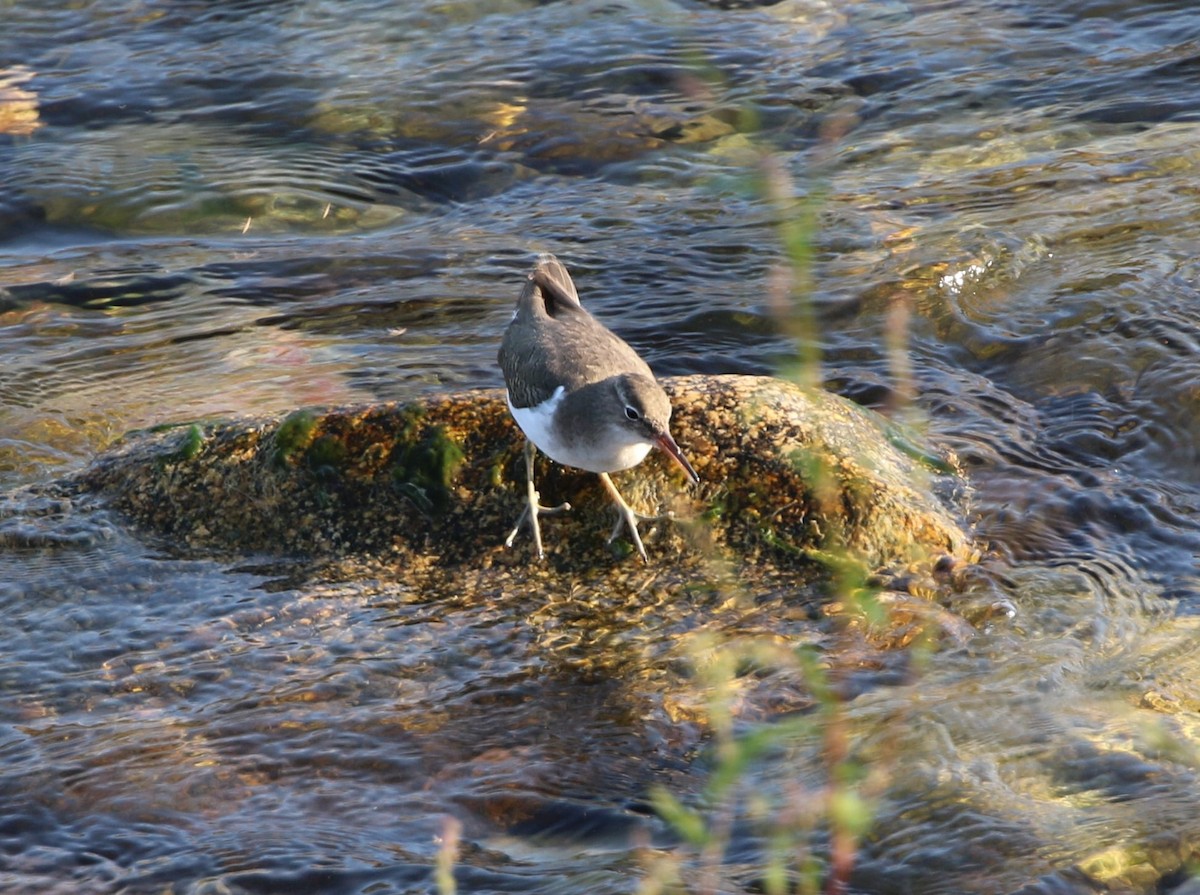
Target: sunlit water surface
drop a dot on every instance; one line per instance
(216, 209)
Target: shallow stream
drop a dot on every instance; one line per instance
(213, 209)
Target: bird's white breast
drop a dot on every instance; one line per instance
(619, 450)
(614, 457)
(537, 422)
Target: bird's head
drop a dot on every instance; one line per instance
(644, 412)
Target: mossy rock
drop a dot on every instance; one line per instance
(790, 478)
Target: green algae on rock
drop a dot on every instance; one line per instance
(788, 476)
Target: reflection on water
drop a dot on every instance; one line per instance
(250, 207)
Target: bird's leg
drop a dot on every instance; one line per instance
(627, 517)
(532, 507)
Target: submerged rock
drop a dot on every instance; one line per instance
(790, 479)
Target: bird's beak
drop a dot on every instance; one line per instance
(667, 445)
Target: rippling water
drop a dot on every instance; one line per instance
(214, 209)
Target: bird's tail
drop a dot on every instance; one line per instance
(558, 291)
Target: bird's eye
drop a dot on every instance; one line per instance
(632, 414)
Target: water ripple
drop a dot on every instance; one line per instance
(253, 206)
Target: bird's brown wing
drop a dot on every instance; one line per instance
(553, 340)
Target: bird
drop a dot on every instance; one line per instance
(581, 395)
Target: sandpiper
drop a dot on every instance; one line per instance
(580, 394)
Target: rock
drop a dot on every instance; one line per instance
(790, 479)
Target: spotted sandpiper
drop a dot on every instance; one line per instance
(580, 394)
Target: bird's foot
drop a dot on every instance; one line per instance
(628, 517)
(529, 515)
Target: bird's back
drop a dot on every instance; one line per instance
(553, 340)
